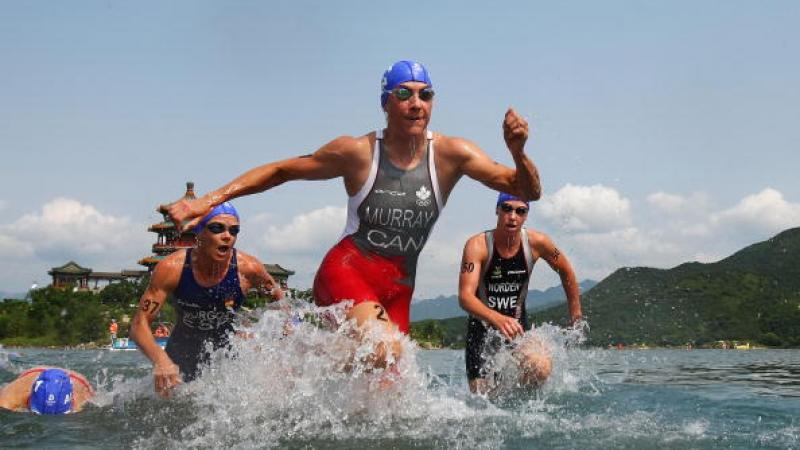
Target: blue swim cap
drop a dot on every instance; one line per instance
(400, 72)
(503, 197)
(222, 208)
(51, 393)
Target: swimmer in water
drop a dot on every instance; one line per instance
(208, 284)
(496, 268)
(397, 180)
(46, 390)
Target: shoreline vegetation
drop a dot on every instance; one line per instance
(78, 320)
(69, 318)
(750, 299)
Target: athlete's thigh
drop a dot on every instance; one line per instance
(370, 313)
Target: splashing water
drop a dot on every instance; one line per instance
(507, 375)
(302, 383)
(298, 387)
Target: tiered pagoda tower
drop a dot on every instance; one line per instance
(169, 240)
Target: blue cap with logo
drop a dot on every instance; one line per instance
(504, 197)
(51, 393)
(401, 72)
(222, 208)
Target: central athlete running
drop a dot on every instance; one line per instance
(397, 181)
(388, 222)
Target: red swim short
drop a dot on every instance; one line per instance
(346, 273)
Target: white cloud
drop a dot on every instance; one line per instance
(666, 202)
(686, 229)
(595, 208)
(761, 214)
(754, 217)
(595, 255)
(312, 232)
(12, 248)
(66, 229)
(683, 215)
(695, 204)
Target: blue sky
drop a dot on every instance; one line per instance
(664, 131)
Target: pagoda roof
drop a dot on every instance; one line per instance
(167, 223)
(106, 276)
(189, 195)
(276, 269)
(151, 260)
(121, 275)
(71, 268)
(133, 273)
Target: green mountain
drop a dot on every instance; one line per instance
(445, 307)
(752, 295)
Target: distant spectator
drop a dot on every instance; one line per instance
(112, 329)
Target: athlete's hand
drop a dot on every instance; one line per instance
(515, 131)
(185, 210)
(577, 323)
(509, 326)
(166, 375)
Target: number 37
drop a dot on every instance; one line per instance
(150, 306)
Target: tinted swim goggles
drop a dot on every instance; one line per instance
(403, 93)
(217, 228)
(520, 210)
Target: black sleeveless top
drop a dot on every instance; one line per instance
(203, 314)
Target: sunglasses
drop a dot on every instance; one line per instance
(217, 228)
(521, 210)
(404, 94)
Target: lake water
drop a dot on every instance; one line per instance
(287, 392)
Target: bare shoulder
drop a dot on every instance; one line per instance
(168, 271)
(248, 263)
(476, 246)
(477, 238)
(538, 239)
(348, 147)
(454, 146)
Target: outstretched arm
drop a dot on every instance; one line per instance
(558, 261)
(165, 372)
(328, 162)
(523, 181)
(472, 261)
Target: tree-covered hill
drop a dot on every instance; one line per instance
(752, 295)
(447, 307)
